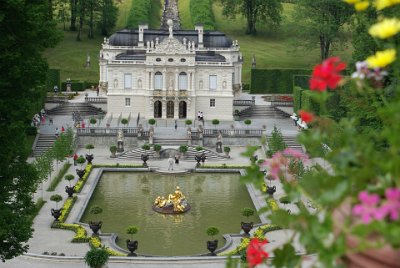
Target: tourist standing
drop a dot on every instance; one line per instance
(202, 117)
(75, 158)
(177, 157)
(57, 132)
(171, 163)
(97, 90)
(198, 115)
(176, 124)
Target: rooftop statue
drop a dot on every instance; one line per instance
(175, 203)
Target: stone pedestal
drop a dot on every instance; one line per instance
(120, 146)
(219, 147)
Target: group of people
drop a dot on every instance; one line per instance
(39, 118)
(175, 160)
(200, 116)
(298, 122)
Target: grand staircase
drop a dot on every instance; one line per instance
(83, 109)
(44, 142)
(262, 111)
(292, 143)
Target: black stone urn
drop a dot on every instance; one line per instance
(246, 227)
(212, 246)
(132, 245)
(144, 158)
(70, 190)
(197, 157)
(271, 190)
(203, 158)
(56, 213)
(80, 173)
(89, 158)
(95, 226)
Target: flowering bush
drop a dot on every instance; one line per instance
(80, 232)
(352, 193)
(66, 208)
(79, 185)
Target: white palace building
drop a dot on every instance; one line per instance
(170, 73)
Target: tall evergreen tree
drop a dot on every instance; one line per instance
(255, 11)
(25, 31)
(108, 17)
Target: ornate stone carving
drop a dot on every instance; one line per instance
(170, 46)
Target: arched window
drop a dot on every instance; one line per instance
(158, 80)
(183, 81)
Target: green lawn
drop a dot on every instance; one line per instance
(184, 14)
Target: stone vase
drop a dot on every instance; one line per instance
(212, 246)
(89, 158)
(70, 190)
(132, 246)
(246, 227)
(95, 226)
(56, 213)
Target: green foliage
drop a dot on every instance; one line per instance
(212, 231)
(89, 146)
(69, 178)
(146, 147)
(124, 121)
(132, 229)
(63, 145)
(201, 12)
(58, 178)
(56, 198)
(247, 122)
(267, 12)
(301, 81)
(183, 148)
(188, 122)
(199, 148)
(113, 149)
(215, 122)
(247, 212)
(139, 13)
(95, 210)
(152, 121)
(38, 206)
(108, 16)
(274, 80)
(31, 131)
(81, 160)
(297, 93)
(227, 149)
(53, 79)
(96, 257)
(93, 121)
(75, 85)
(157, 147)
(276, 142)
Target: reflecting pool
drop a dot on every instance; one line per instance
(126, 198)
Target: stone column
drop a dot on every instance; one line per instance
(164, 79)
(164, 108)
(176, 80)
(151, 78)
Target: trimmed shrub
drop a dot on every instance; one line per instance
(183, 148)
(201, 12)
(297, 92)
(157, 147)
(211, 231)
(247, 212)
(139, 13)
(146, 147)
(199, 148)
(152, 121)
(96, 257)
(124, 121)
(274, 80)
(247, 122)
(75, 85)
(188, 122)
(52, 79)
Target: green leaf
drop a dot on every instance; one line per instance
(286, 256)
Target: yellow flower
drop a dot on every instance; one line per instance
(385, 29)
(360, 6)
(382, 58)
(381, 4)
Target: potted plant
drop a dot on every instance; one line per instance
(124, 121)
(247, 226)
(131, 244)
(152, 121)
(215, 122)
(89, 156)
(113, 150)
(69, 189)
(81, 160)
(157, 149)
(212, 244)
(146, 147)
(56, 213)
(227, 149)
(183, 149)
(199, 148)
(95, 225)
(93, 121)
(247, 122)
(96, 257)
(188, 122)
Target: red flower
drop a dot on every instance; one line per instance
(255, 252)
(327, 74)
(306, 116)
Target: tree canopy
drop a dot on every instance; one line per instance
(255, 11)
(25, 30)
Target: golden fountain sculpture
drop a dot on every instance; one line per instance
(175, 203)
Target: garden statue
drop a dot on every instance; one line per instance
(219, 142)
(120, 141)
(151, 134)
(175, 203)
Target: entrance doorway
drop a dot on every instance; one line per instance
(157, 109)
(170, 109)
(182, 109)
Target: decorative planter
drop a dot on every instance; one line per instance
(212, 246)
(227, 154)
(246, 227)
(80, 173)
(70, 190)
(89, 158)
(271, 190)
(56, 213)
(95, 226)
(132, 246)
(144, 158)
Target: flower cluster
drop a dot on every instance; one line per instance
(279, 165)
(372, 208)
(255, 253)
(79, 185)
(327, 74)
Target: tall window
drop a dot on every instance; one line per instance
(128, 81)
(212, 102)
(213, 82)
(183, 81)
(127, 102)
(158, 80)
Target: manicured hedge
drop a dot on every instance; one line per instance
(307, 103)
(78, 85)
(297, 98)
(303, 101)
(201, 12)
(53, 79)
(301, 81)
(139, 13)
(267, 81)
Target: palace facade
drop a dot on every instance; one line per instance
(170, 73)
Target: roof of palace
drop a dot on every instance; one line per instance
(200, 56)
(130, 37)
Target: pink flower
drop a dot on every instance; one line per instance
(276, 164)
(367, 210)
(327, 74)
(295, 153)
(255, 253)
(392, 205)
